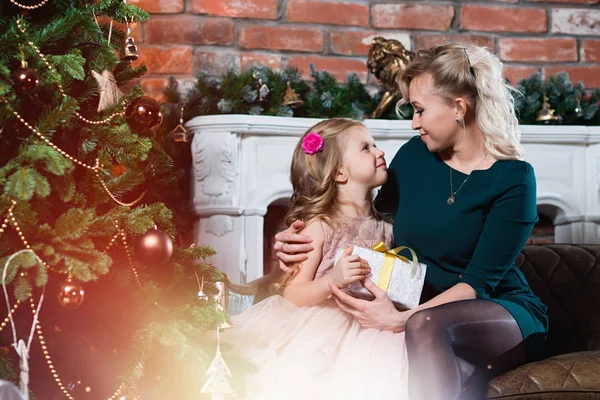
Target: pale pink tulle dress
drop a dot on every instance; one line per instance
(321, 352)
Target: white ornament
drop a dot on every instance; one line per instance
(217, 384)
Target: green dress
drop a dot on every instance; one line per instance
(477, 239)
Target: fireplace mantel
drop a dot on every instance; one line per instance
(241, 165)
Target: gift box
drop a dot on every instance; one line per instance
(399, 277)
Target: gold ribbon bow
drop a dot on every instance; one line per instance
(390, 256)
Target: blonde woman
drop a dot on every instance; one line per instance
(304, 345)
(462, 197)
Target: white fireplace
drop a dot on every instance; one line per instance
(241, 166)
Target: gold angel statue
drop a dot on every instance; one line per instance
(387, 59)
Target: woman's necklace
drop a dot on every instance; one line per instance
(452, 199)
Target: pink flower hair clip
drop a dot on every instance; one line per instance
(312, 143)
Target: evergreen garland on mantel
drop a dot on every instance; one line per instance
(324, 97)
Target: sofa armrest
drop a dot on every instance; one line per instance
(572, 372)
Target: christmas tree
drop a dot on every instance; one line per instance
(89, 246)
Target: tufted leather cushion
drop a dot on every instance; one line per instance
(567, 279)
(567, 376)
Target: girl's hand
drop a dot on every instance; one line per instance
(292, 248)
(379, 313)
(349, 268)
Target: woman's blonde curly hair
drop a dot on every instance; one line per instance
(462, 69)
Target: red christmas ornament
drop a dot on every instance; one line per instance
(25, 79)
(70, 294)
(155, 247)
(117, 170)
(143, 115)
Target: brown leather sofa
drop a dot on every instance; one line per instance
(567, 279)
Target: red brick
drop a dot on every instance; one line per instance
(337, 13)
(261, 9)
(590, 50)
(567, 1)
(412, 16)
(538, 49)
(159, 60)
(338, 67)
(154, 87)
(587, 74)
(503, 19)
(427, 41)
(350, 42)
(216, 63)
(576, 21)
(189, 29)
(515, 74)
(255, 60)
(159, 6)
(281, 38)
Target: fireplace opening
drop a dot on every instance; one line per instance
(274, 223)
(543, 231)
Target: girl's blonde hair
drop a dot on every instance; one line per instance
(313, 175)
(315, 190)
(458, 69)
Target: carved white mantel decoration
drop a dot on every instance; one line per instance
(241, 165)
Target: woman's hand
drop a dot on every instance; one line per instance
(379, 313)
(292, 248)
(349, 268)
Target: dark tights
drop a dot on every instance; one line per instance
(454, 348)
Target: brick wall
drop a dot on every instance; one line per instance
(186, 37)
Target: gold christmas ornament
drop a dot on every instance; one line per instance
(202, 297)
(70, 294)
(291, 98)
(578, 110)
(107, 88)
(546, 114)
(387, 59)
(180, 134)
(222, 300)
(262, 89)
(129, 51)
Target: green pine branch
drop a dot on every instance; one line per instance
(324, 97)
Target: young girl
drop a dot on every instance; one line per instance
(305, 346)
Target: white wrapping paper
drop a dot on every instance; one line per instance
(406, 282)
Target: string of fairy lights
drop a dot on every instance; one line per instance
(26, 7)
